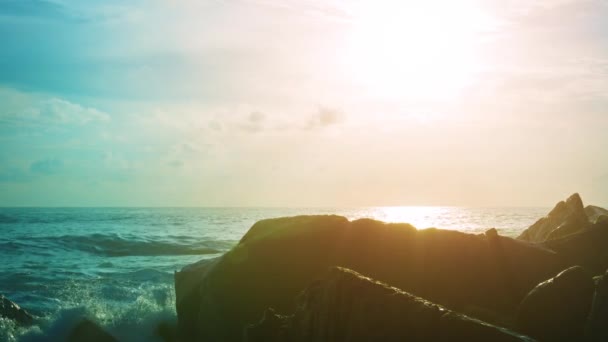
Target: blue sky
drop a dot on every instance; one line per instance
(302, 103)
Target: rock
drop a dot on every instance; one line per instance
(188, 288)
(346, 306)
(278, 258)
(167, 331)
(271, 328)
(602, 219)
(566, 218)
(10, 310)
(87, 331)
(491, 233)
(597, 326)
(594, 213)
(587, 248)
(557, 309)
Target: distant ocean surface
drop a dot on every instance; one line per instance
(115, 265)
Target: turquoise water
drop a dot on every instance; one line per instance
(115, 265)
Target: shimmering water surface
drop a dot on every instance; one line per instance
(115, 265)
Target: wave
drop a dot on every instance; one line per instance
(12, 246)
(113, 245)
(136, 320)
(71, 218)
(8, 219)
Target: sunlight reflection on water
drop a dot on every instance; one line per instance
(421, 217)
(508, 221)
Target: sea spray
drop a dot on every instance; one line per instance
(134, 321)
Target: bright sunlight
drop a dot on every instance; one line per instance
(425, 50)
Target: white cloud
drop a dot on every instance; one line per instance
(37, 109)
(62, 111)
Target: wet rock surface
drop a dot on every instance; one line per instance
(11, 310)
(346, 306)
(557, 309)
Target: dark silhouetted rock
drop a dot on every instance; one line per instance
(10, 310)
(271, 328)
(566, 218)
(594, 213)
(346, 306)
(587, 248)
(167, 331)
(603, 219)
(597, 326)
(87, 331)
(492, 232)
(189, 285)
(557, 309)
(278, 258)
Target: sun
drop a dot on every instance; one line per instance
(413, 49)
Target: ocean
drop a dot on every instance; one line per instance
(115, 265)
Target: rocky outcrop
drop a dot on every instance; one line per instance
(88, 331)
(190, 284)
(10, 310)
(278, 258)
(568, 217)
(346, 306)
(588, 248)
(557, 309)
(597, 326)
(596, 214)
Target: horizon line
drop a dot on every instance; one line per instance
(267, 207)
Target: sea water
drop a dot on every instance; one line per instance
(115, 265)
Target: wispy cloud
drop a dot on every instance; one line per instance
(24, 109)
(254, 123)
(64, 112)
(325, 116)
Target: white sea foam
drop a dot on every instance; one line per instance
(134, 321)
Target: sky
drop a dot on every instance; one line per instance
(303, 103)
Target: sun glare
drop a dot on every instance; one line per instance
(422, 49)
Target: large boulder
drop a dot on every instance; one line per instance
(278, 258)
(597, 326)
(10, 310)
(189, 284)
(568, 217)
(587, 248)
(346, 306)
(557, 309)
